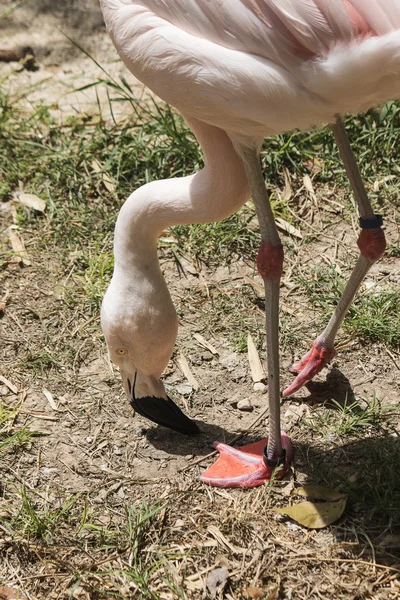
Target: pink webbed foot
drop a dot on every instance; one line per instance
(247, 466)
(312, 363)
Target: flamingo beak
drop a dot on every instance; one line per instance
(147, 396)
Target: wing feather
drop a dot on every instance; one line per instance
(378, 14)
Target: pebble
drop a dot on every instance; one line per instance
(260, 387)
(185, 389)
(207, 356)
(245, 405)
(179, 523)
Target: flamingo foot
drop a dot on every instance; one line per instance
(247, 466)
(312, 363)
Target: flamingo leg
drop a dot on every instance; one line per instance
(253, 465)
(372, 246)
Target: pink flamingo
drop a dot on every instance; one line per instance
(239, 70)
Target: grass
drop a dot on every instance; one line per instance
(351, 417)
(375, 314)
(12, 437)
(119, 547)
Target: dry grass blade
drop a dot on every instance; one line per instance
(13, 388)
(257, 372)
(184, 366)
(50, 399)
(219, 536)
(309, 186)
(18, 246)
(205, 344)
(288, 228)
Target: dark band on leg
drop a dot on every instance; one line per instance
(374, 223)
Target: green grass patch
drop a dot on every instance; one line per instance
(109, 552)
(374, 315)
(12, 437)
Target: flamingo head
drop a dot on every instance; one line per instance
(140, 338)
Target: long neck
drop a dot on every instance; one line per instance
(212, 194)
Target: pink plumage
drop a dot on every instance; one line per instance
(260, 67)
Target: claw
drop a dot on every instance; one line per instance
(312, 363)
(246, 466)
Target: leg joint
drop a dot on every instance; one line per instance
(372, 243)
(270, 261)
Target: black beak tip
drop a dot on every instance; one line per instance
(165, 413)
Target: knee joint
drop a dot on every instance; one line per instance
(372, 242)
(270, 261)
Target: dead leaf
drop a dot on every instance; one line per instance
(288, 228)
(18, 246)
(31, 201)
(315, 515)
(106, 179)
(271, 593)
(184, 366)
(254, 592)
(319, 492)
(216, 581)
(13, 388)
(7, 593)
(309, 186)
(257, 372)
(50, 399)
(203, 342)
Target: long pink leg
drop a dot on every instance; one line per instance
(270, 264)
(372, 246)
(257, 463)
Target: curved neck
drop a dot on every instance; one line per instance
(212, 194)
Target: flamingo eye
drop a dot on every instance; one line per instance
(122, 352)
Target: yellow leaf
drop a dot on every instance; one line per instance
(315, 515)
(319, 492)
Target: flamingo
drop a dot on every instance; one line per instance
(238, 71)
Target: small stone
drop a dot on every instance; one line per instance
(245, 405)
(89, 440)
(185, 389)
(260, 387)
(179, 523)
(207, 356)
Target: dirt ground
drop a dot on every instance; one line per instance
(88, 440)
